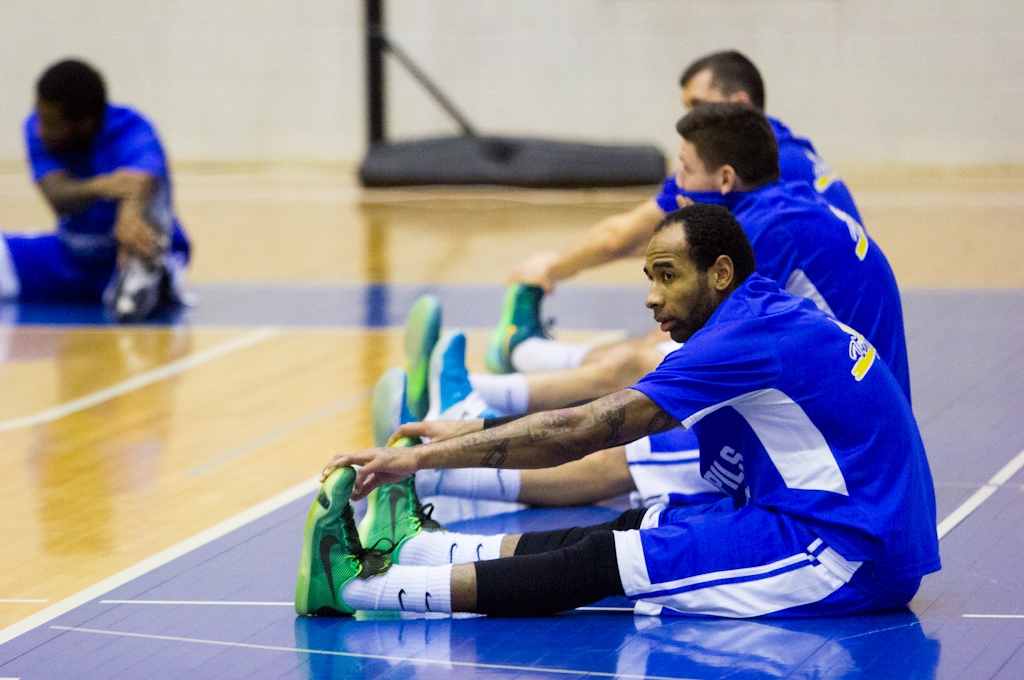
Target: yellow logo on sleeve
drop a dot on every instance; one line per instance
(824, 175)
(857, 233)
(862, 352)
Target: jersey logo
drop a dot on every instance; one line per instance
(727, 471)
(862, 352)
(857, 233)
(824, 175)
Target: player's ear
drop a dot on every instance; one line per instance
(721, 273)
(726, 179)
(740, 97)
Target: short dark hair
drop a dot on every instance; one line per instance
(731, 72)
(712, 231)
(733, 134)
(77, 87)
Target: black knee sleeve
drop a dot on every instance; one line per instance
(535, 542)
(550, 582)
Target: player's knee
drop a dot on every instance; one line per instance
(624, 365)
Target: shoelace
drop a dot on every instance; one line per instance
(348, 519)
(424, 515)
(374, 551)
(355, 547)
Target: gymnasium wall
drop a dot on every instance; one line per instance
(904, 81)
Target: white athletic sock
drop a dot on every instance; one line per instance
(507, 393)
(479, 483)
(542, 354)
(429, 548)
(409, 589)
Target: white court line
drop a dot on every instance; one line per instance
(381, 657)
(993, 616)
(141, 380)
(604, 609)
(301, 423)
(880, 630)
(201, 603)
(981, 495)
(160, 559)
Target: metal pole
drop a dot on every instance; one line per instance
(375, 45)
(432, 89)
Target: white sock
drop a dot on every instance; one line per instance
(409, 589)
(542, 354)
(480, 483)
(473, 406)
(429, 548)
(507, 393)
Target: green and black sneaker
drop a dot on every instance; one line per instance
(394, 513)
(422, 328)
(520, 320)
(331, 552)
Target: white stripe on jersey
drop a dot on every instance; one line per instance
(10, 286)
(795, 445)
(799, 285)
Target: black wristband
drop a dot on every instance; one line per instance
(495, 422)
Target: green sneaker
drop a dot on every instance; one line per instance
(394, 513)
(520, 320)
(388, 410)
(331, 552)
(422, 328)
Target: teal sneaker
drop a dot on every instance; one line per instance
(451, 393)
(520, 320)
(389, 409)
(331, 552)
(394, 513)
(422, 328)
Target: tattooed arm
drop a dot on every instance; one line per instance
(540, 440)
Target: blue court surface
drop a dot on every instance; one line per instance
(220, 606)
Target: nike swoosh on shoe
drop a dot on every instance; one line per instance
(326, 544)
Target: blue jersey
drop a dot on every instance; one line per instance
(795, 414)
(126, 141)
(798, 162)
(814, 250)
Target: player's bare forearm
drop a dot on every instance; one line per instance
(611, 239)
(553, 437)
(133, 230)
(622, 235)
(67, 195)
(540, 440)
(591, 479)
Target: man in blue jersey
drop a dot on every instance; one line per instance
(797, 421)
(720, 77)
(103, 171)
(807, 246)
(519, 342)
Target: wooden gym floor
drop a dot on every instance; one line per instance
(119, 442)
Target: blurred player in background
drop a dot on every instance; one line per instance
(716, 78)
(104, 172)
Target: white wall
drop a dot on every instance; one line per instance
(935, 81)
